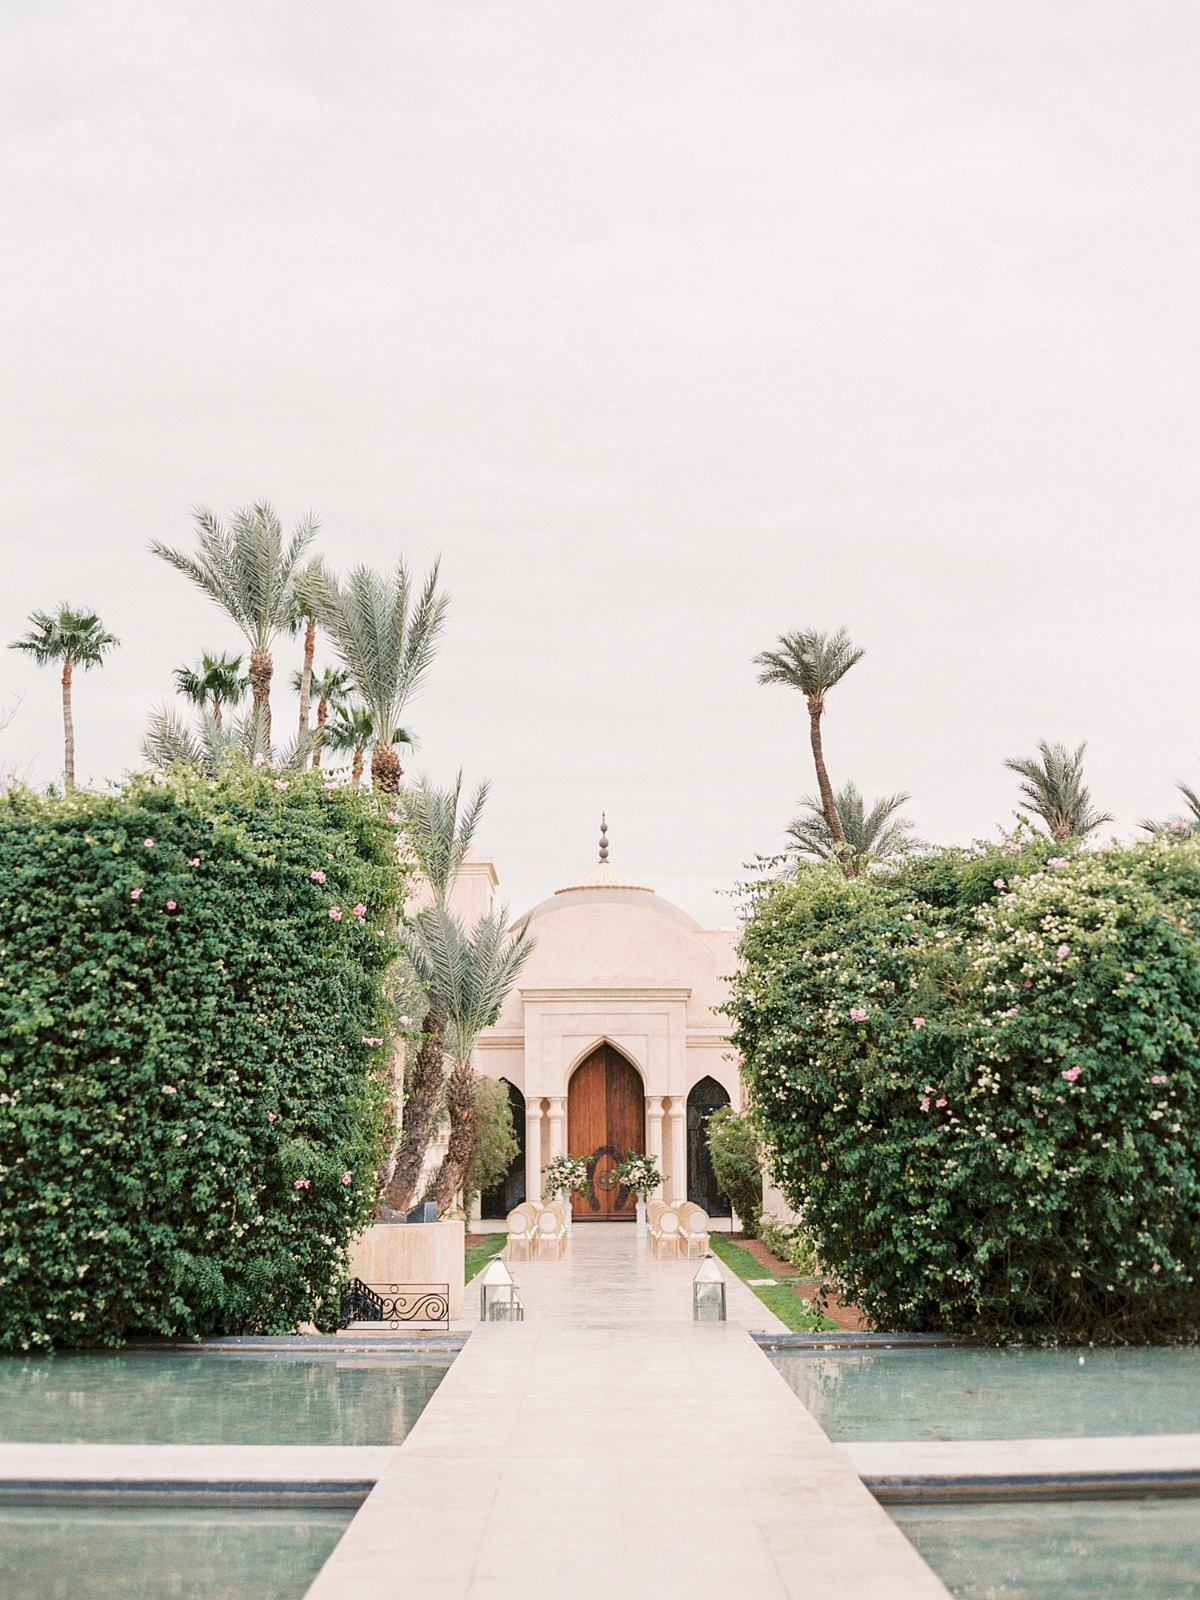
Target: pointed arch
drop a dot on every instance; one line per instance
(606, 1119)
(704, 1098)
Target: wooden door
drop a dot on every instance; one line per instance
(606, 1118)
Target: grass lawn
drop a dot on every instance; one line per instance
(800, 1316)
(480, 1253)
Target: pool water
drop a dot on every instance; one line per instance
(215, 1397)
(1092, 1550)
(953, 1393)
(147, 1555)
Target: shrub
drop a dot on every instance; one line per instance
(496, 1144)
(977, 1078)
(790, 1242)
(733, 1146)
(192, 1053)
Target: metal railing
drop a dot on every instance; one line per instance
(395, 1303)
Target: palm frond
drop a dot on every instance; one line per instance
(1054, 791)
(440, 834)
(871, 835)
(809, 660)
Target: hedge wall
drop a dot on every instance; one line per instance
(979, 1078)
(192, 1058)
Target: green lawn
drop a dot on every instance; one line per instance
(478, 1255)
(798, 1315)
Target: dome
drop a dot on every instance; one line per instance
(604, 885)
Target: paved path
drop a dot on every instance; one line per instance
(608, 1447)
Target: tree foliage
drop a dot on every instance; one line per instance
(1054, 792)
(733, 1145)
(193, 1031)
(978, 1080)
(874, 835)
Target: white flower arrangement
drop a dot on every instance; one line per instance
(566, 1175)
(639, 1173)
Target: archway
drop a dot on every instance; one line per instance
(500, 1199)
(706, 1097)
(606, 1118)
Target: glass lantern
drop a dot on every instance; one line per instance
(708, 1292)
(498, 1297)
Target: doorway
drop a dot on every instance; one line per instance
(706, 1097)
(606, 1118)
(509, 1191)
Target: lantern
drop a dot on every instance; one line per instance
(708, 1292)
(498, 1297)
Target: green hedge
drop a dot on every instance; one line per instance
(192, 1058)
(978, 1079)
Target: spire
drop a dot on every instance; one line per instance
(603, 838)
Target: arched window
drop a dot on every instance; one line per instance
(706, 1097)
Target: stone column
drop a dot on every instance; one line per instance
(654, 1134)
(533, 1149)
(558, 1125)
(677, 1122)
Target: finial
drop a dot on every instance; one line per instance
(603, 838)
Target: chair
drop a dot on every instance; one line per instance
(666, 1235)
(552, 1229)
(693, 1227)
(522, 1229)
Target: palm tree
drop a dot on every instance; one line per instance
(468, 978)
(251, 575)
(441, 834)
(1181, 827)
(77, 639)
(218, 682)
(329, 689)
(168, 742)
(354, 732)
(871, 835)
(813, 662)
(386, 637)
(1055, 792)
(304, 616)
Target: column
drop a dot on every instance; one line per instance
(654, 1134)
(677, 1123)
(533, 1148)
(558, 1125)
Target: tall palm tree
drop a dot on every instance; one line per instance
(813, 662)
(168, 742)
(468, 976)
(218, 682)
(329, 688)
(872, 835)
(305, 599)
(386, 636)
(1055, 792)
(1178, 827)
(77, 639)
(353, 732)
(251, 574)
(440, 831)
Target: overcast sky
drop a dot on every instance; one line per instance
(669, 327)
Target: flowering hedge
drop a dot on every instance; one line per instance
(192, 1053)
(979, 1078)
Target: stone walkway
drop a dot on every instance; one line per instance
(609, 1447)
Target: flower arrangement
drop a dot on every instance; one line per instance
(639, 1173)
(566, 1175)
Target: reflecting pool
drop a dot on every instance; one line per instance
(1090, 1550)
(951, 1393)
(216, 1397)
(147, 1555)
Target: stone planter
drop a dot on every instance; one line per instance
(413, 1252)
(640, 1210)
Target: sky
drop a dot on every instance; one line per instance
(668, 328)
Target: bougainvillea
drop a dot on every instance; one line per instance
(192, 1053)
(979, 1079)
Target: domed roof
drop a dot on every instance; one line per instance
(604, 885)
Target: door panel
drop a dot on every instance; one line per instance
(606, 1118)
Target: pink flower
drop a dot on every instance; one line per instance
(1158, 1078)
(301, 1183)
(194, 862)
(998, 883)
(858, 1014)
(271, 1116)
(1063, 951)
(135, 894)
(1129, 977)
(317, 875)
(335, 913)
(940, 1102)
(148, 844)
(260, 760)
(360, 911)
(1057, 861)
(280, 783)
(406, 1022)
(1071, 1074)
(925, 1104)
(928, 1089)
(918, 1022)
(392, 817)
(171, 905)
(1028, 984)
(1011, 1012)
(347, 1177)
(367, 1039)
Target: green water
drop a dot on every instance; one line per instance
(149, 1555)
(214, 1397)
(997, 1394)
(1097, 1550)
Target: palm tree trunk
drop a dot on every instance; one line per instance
(322, 714)
(825, 789)
(261, 668)
(386, 770)
(356, 770)
(420, 1114)
(217, 710)
(460, 1102)
(310, 646)
(68, 728)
